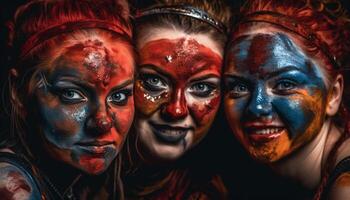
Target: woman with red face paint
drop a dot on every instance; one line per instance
(70, 99)
(177, 94)
(286, 69)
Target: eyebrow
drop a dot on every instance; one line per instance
(269, 75)
(156, 68)
(207, 76)
(123, 84)
(166, 74)
(89, 86)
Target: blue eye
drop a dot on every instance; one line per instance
(153, 82)
(284, 86)
(120, 97)
(202, 89)
(72, 96)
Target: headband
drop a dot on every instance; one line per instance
(67, 27)
(287, 23)
(185, 10)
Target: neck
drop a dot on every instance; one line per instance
(305, 166)
(61, 175)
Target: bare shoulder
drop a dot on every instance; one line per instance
(341, 187)
(16, 184)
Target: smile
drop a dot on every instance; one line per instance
(263, 133)
(169, 134)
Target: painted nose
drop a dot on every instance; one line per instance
(260, 105)
(177, 107)
(100, 122)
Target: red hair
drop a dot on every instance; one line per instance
(330, 23)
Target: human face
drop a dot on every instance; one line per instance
(85, 103)
(275, 95)
(177, 92)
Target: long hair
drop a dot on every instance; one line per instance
(35, 17)
(330, 22)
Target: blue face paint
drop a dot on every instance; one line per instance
(275, 95)
(77, 109)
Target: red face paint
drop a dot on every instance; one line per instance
(86, 105)
(177, 93)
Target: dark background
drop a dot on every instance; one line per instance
(244, 178)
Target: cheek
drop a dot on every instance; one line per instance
(124, 117)
(60, 123)
(234, 109)
(145, 103)
(204, 110)
(300, 112)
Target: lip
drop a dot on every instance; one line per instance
(96, 147)
(169, 134)
(262, 133)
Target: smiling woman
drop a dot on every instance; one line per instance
(71, 100)
(177, 94)
(286, 66)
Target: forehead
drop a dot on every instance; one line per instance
(174, 34)
(94, 58)
(266, 51)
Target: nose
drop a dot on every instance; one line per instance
(176, 109)
(260, 104)
(100, 122)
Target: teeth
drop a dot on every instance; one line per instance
(173, 132)
(268, 131)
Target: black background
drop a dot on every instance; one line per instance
(245, 178)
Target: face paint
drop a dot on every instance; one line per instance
(177, 94)
(79, 98)
(275, 95)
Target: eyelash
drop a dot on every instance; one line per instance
(126, 92)
(145, 78)
(209, 86)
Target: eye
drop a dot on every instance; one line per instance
(283, 86)
(202, 89)
(119, 98)
(238, 90)
(72, 96)
(153, 82)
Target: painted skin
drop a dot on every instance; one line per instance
(86, 104)
(275, 95)
(177, 94)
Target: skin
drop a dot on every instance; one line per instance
(341, 188)
(85, 103)
(177, 91)
(14, 184)
(271, 84)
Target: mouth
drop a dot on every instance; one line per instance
(98, 148)
(263, 133)
(169, 134)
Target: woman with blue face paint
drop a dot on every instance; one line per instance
(285, 72)
(70, 100)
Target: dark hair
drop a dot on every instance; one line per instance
(217, 9)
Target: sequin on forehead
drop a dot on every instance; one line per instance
(169, 58)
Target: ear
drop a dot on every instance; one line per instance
(336, 94)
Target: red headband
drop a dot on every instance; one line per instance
(287, 23)
(67, 27)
